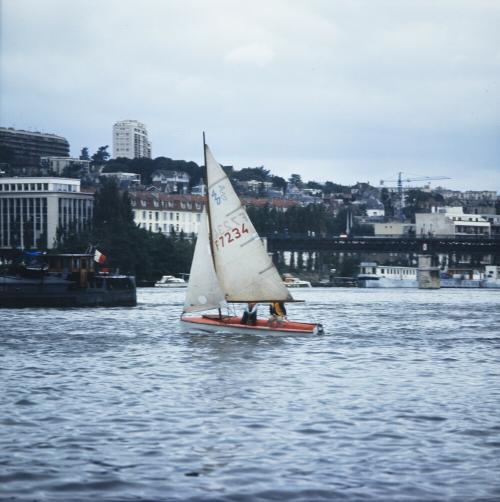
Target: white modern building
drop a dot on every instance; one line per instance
(33, 210)
(130, 140)
(451, 221)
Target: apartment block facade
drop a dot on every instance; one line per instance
(167, 213)
(28, 147)
(32, 209)
(130, 140)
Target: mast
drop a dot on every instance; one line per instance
(208, 201)
(210, 240)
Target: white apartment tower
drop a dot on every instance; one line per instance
(130, 140)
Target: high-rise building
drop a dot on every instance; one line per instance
(130, 140)
(24, 148)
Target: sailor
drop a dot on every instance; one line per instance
(277, 311)
(250, 315)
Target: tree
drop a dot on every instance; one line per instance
(28, 234)
(296, 180)
(252, 173)
(101, 156)
(314, 184)
(279, 183)
(84, 155)
(386, 199)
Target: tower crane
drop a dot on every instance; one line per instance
(400, 179)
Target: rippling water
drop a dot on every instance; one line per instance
(399, 400)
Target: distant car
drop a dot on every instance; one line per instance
(343, 236)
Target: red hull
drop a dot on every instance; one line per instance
(233, 324)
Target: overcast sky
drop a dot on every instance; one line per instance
(332, 90)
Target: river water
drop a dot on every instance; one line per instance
(399, 400)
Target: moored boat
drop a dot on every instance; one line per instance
(373, 275)
(291, 281)
(65, 280)
(170, 281)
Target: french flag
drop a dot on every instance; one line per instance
(99, 257)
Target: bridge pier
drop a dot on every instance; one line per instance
(428, 272)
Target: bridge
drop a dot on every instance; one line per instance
(422, 245)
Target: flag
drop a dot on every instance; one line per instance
(99, 257)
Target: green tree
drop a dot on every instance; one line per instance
(28, 234)
(101, 156)
(252, 173)
(279, 183)
(84, 154)
(296, 180)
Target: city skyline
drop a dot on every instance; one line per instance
(334, 91)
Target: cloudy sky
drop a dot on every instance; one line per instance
(351, 90)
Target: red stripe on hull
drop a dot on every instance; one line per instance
(263, 325)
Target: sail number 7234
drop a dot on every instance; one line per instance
(230, 236)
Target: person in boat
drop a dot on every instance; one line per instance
(250, 315)
(277, 312)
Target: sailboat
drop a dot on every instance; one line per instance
(231, 265)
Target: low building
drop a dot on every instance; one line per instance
(126, 181)
(167, 213)
(256, 185)
(62, 165)
(451, 221)
(171, 181)
(393, 229)
(199, 189)
(469, 195)
(35, 211)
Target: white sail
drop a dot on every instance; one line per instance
(245, 271)
(203, 292)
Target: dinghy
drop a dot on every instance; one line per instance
(231, 266)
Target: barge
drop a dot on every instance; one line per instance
(65, 280)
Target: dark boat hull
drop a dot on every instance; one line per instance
(19, 293)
